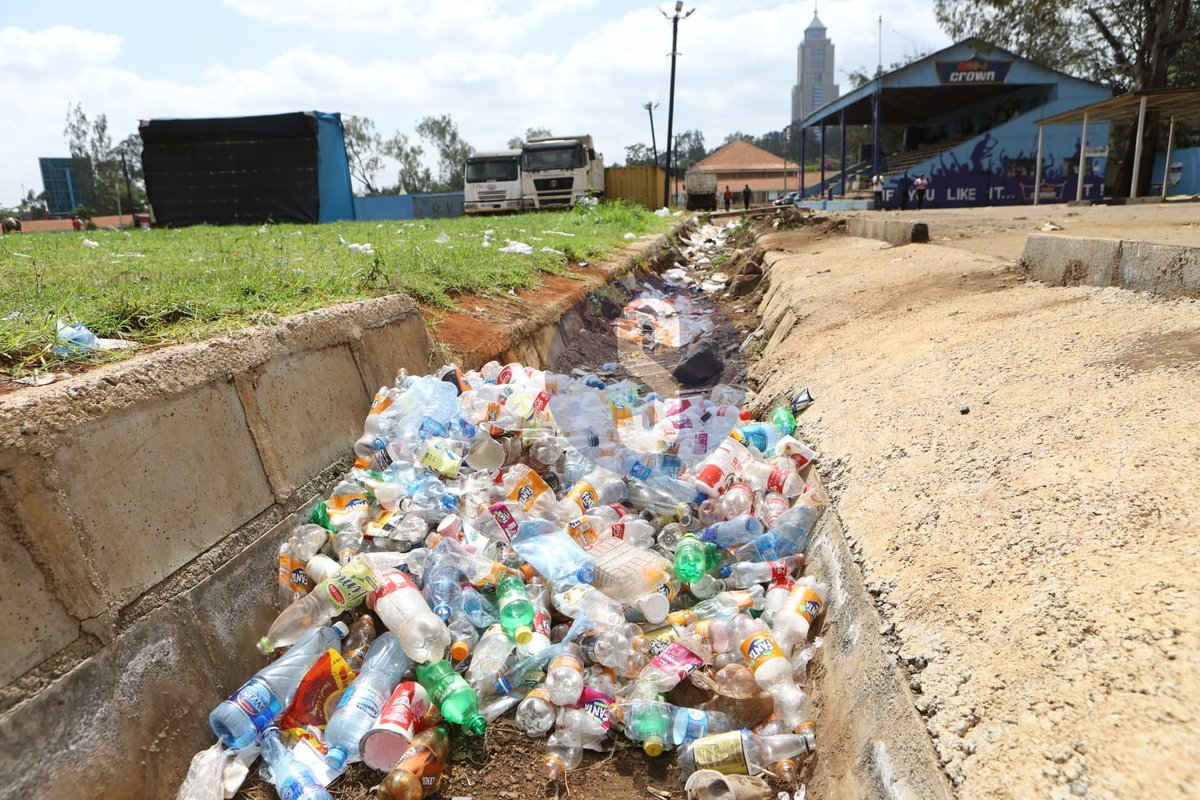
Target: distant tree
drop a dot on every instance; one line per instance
(413, 176)
(689, 148)
(90, 145)
(638, 155)
(442, 133)
(364, 150)
(516, 143)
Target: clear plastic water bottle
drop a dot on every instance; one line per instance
(443, 587)
(249, 711)
(403, 610)
(291, 778)
(564, 752)
(490, 654)
(564, 676)
(536, 712)
(363, 700)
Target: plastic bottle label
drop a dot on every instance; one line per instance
(584, 495)
(381, 402)
(566, 661)
(541, 401)
(723, 752)
(441, 460)
(447, 687)
(528, 490)
(346, 502)
(810, 605)
(759, 648)
(420, 760)
(597, 705)
(583, 532)
(505, 519)
(365, 699)
(660, 638)
(640, 471)
(292, 574)
(779, 570)
(257, 702)
(677, 660)
(393, 580)
(491, 415)
(539, 693)
(617, 530)
(777, 479)
(347, 587)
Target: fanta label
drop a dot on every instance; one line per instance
(759, 648)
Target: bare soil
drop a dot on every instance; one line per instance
(1015, 465)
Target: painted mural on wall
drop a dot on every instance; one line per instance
(984, 173)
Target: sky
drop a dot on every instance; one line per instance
(497, 68)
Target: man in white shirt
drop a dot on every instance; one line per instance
(877, 188)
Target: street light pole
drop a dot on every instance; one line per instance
(653, 143)
(671, 104)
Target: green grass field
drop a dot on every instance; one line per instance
(170, 286)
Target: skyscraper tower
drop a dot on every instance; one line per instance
(814, 71)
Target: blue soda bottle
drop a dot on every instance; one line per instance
(291, 778)
(242, 719)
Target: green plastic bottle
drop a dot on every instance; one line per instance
(783, 419)
(694, 559)
(516, 612)
(453, 696)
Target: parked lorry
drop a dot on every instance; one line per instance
(701, 188)
(558, 170)
(492, 182)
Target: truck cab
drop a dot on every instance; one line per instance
(558, 170)
(492, 182)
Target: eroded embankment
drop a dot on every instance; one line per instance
(1014, 470)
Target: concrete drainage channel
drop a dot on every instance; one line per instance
(123, 644)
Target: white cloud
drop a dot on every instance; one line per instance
(58, 46)
(323, 15)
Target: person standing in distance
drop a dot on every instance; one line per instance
(920, 185)
(728, 197)
(746, 197)
(877, 188)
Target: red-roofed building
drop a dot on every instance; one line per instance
(740, 163)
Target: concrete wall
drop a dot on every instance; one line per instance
(1170, 270)
(141, 505)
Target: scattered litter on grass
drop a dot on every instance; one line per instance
(90, 243)
(520, 248)
(442, 238)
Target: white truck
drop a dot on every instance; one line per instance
(558, 170)
(492, 182)
(701, 188)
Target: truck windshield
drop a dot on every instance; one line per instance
(492, 170)
(562, 157)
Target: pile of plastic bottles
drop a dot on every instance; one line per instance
(598, 561)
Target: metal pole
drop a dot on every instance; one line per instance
(671, 108)
(1137, 149)
(842, 124)
(876, 113)
(822, 189)
(653, 142)
(1167, 163)
(802, 175)
(1082, 159)
(1037, 174)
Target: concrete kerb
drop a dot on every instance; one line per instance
(1168, 270)
(892, 231)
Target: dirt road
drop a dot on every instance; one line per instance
(1017, 467)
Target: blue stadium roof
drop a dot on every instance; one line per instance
(961, 74)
